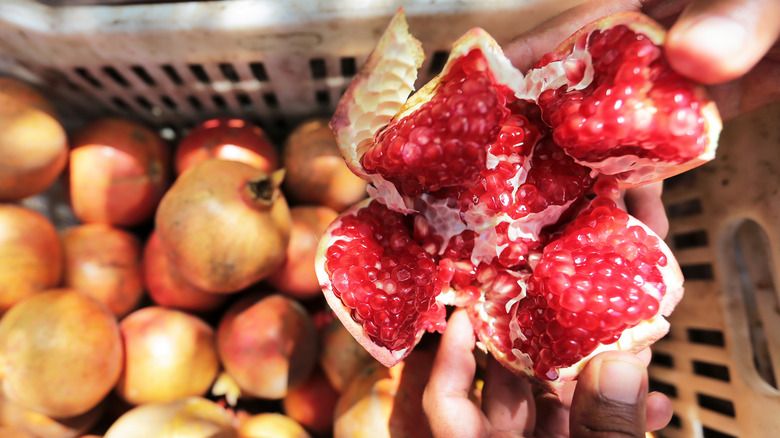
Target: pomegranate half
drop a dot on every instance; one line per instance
(498, 191)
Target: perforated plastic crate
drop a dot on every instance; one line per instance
(278, 62)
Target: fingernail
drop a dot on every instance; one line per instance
(716, 36)
(620, 381)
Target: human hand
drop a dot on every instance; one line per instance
(609, 399)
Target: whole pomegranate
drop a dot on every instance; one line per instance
(296, 277)
(341, 356)
(169, 355)
(105, 262)
(316, 172)
(190, 417)
(224, 225)
(60, 353)
(385, 402)
(228, 139)
(271, 425)
(312, 403)
(498, 192)
(167, 288)
(119, 170)
(30, 254)
(267, 344)
(33, 143)
(42, 426)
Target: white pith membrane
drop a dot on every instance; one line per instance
(378, 96)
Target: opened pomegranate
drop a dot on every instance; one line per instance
(497, 191)
(226, 138)
(224, 225)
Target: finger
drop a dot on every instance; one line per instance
(508, 400)
(529, 47)
(659, 411)
(715, 41)
(446, 397)
(552, 413)
(644, 203)
(610, 398)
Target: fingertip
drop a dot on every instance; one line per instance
(659, 411)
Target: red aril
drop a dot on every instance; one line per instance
(169, 355)
(316, 172)
(119, 170)
(33, 143)
(227, 139)
(30, 253)
(267, 344)
(60, 353)
(496, 191)
(224, 225)
(167, 288)
(104, 262)
(296, 277)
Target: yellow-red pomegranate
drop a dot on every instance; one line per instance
(316, 173)
(341, 356)
(296, 277)
(312, 403)
(167, 288)
(224, 225)
(267, 344)
(227, 139)
(498, 191)
(119, 170)
(30, 253)
(169, 354)
(385, 402)
(43, 426)
(33, 143)
(191, 417)
(60, 353)
(105, 262)
(271, 425)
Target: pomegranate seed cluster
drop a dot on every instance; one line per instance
(597, 279)
(382, 275)
(636, 105)
(443, 143)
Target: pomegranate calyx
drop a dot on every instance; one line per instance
(264, 191)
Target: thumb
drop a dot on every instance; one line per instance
(610, 398)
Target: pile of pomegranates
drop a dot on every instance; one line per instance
(227, 284)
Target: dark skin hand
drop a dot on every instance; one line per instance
(731, 45)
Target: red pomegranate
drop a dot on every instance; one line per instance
(167, 288)
(119, 170)
(169, 355)
(104, 262)
(312, 403)
(224, 225)
(497, 191)
(386, 402)
(316, 173)
(296, 276)
(267, 344)
(227, 139)
(60, 353)
(33, 143)
(30, 253)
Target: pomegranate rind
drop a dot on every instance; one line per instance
(633, 170)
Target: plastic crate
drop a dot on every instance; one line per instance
(276, 63)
